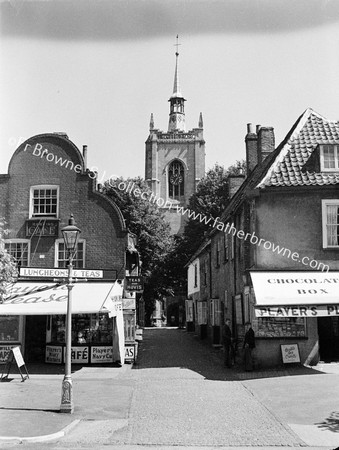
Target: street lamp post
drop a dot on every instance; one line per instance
(70, 234)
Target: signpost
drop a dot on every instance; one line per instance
(135, 284)
(15, 354)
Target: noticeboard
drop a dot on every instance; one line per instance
(290, 353)
(15, 354)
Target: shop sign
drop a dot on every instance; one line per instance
(5, 351)
(39, 272)
(41, 227)
(135, 284)
(101, 354)
(297, 311)
(295, 288)
(128, 303)
(79, 355)
(129, 352)
(290, 353)
(53, 354)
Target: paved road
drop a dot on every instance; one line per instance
(184, 396)
(181, 395)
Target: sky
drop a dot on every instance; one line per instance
(96, 70)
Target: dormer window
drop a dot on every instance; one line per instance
(329, 158)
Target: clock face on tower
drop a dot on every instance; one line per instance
(176, 178)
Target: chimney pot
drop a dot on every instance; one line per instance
(258, 128)
(84, 154)
(266, 142)
(250, 128)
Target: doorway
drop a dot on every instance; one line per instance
(328, 330)
(35, 338)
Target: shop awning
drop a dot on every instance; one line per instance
(296, 294)
(51, 298)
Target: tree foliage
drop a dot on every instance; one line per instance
(144, 218)
(8, 267)
(210, 199)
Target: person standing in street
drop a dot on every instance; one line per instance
(227, 342)
(249, 345)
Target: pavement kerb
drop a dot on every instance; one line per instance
(45, 438)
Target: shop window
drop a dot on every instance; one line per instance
(44, 201)
(329, 158)
(19, 249)
(9, 328)
(176, 180)
(62, 257)
(330, 217)
(279, 327)
(86, 329)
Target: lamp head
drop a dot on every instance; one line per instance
(70, 234)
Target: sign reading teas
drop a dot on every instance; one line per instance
(135, 284)
(56, 273)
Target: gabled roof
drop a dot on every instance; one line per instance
(283, 166)
(289, 167)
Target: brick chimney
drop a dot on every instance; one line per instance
(251, 140)
(266, 142)
(234, 183)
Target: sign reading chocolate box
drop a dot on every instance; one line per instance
(290, 353)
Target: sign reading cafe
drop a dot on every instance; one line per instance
(296, 294)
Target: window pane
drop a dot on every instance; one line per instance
(45, 202)
(332, 225)
(329, 157)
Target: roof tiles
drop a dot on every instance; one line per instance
(287, 169)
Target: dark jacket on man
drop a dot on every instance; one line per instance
(249, 338)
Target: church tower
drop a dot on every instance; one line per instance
(175, 160)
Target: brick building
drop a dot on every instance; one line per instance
(47, 181)
(273, 257)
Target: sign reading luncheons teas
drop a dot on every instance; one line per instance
(296, 294)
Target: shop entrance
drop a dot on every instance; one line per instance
(35, 338)
(328, 330)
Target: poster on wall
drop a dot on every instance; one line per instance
(102, 354)
(290, 353)
(53, 354)
(129, 352)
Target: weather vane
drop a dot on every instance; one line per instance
(177, 45)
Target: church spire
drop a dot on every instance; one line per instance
(177, 110)
(151, 122)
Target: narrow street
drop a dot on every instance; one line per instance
(179, 395)
(184, 396)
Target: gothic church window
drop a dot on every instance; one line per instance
(176, 180)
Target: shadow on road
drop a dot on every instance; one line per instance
(331, 423)
(166, 348)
